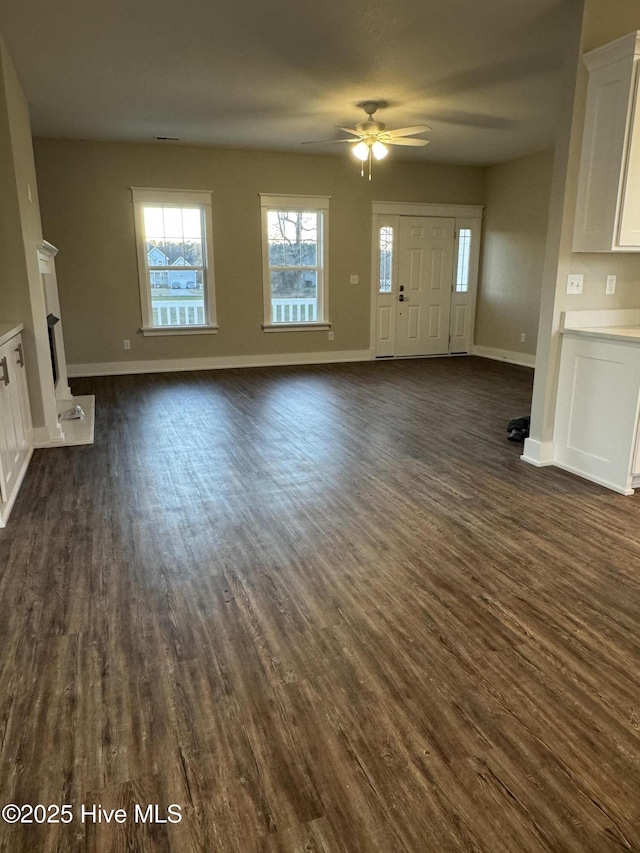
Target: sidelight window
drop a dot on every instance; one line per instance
(464, 253)
(385, 264)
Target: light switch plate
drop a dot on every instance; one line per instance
(574, 284)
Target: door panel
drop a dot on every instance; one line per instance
(413, 324)
(425, 275)
(435, 330)
(385, 321)
(415, 268)
(459, 317)
(436, 270)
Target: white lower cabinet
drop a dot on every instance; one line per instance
(15, 422)
(596, 422)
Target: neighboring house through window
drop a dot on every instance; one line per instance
(294, 258)
(175, 261)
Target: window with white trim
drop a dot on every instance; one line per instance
(294, 260)
(175, 261)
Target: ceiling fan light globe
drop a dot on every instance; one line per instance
(379, 150)
(361, 150)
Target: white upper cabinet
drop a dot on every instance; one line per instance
(608, 202)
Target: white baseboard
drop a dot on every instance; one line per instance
(600, 481)
(524, 359)
(538, 453)
(169, 365)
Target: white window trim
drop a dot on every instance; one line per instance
(202, 198)
(269, 201)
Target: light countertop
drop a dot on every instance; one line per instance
(611, 333)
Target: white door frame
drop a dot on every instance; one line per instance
(465, 215)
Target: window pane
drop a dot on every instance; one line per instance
(294, 296)
(192, 223)
(156, 253)
(153, 223)
(176, 232)
(293, 237)
(294, 283)
(177, 297)
(192, 253)
(386, 258)
(464, 248)
(172, 223)
(276, 254)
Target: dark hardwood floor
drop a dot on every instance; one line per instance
(321, 609)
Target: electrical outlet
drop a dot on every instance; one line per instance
(522, 337)
(610, 287)
(574, 284)
(330, 336)
(354, 279)
(127, 344)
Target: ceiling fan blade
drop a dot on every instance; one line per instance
(327, 141)
(408, 131)
(406, 141)
(350, 130)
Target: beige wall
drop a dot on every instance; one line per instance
(600, 24)
(513, 247)
(87, 213)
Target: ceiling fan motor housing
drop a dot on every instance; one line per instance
(370, 126)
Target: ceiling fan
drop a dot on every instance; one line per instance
(371, 139)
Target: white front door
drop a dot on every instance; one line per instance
(425, 276)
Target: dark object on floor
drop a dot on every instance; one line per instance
(518, 428)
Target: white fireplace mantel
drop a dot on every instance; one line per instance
(67, 432)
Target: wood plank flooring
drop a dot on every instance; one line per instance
(324, 610)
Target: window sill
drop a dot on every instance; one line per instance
(296, 327)
(179, 330)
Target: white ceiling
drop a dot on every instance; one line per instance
(483, 73)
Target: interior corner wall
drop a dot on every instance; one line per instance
(20, 233)
(88, 214)
(513, 248)
(14, 277)
(599, 24)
